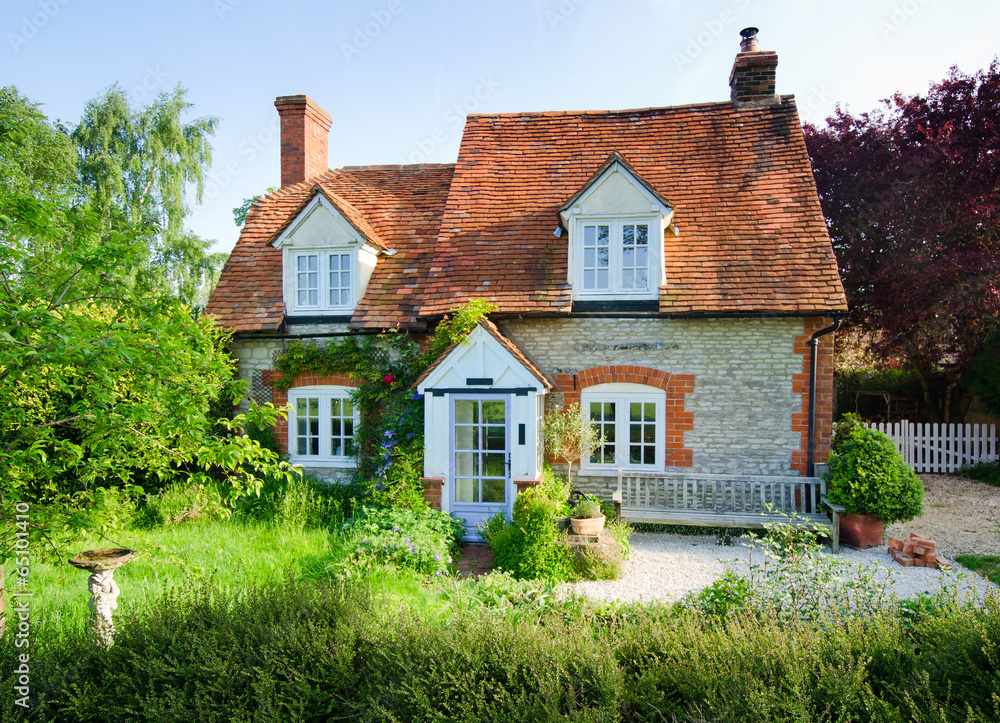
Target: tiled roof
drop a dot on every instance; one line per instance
(751, 232)
(752, 235)
(399, 206)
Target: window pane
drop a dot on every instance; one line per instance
(466, 411)
(642, 257)
(602, 279)
(641, 281)
(602, 416)
(589, 279)
(649, 455)
(493, 490)
(589, 235)
(628, 235)
(467, 490)
(313, 263)
(496, 438)
(589, 258)
(602, 257)
(341, 427)
(313, 298)
(494, 465)
(642, 235)
(628, 279)
(603, 234)
(493, 412)
(635, 455)
(467, 464)
(307, 426)
(649, 411)
(467, 438)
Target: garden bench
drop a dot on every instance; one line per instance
(725, 500)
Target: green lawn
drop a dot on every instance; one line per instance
(987, 565)
(231, 553)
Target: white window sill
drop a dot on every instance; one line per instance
(327, 462)
(613, 471)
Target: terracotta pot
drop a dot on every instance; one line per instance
(587, 525)
(861, 531)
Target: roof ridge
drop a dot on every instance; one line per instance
(379, 166)
(790, 97)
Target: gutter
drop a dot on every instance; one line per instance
(813, 347)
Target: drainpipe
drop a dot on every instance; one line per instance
(813, 346)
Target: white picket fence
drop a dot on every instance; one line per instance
(941, 448)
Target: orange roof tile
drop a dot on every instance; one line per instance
(396, 207)
(752, 235)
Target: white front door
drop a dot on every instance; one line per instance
(480, 458)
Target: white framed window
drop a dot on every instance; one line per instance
(321, 426)
(615, 258)
(630, 418)
(323, 280)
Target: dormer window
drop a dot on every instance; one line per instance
(616, 256)
(616, 225)
(327, 259)
(323, 280)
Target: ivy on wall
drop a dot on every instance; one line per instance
(389, 437)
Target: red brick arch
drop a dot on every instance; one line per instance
(279, 397)
(677, 420)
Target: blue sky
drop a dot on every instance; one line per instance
(398, 76)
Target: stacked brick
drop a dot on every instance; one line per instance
(917, 551)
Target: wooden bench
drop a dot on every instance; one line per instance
(725, 500)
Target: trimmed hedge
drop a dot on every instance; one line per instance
(317, 652)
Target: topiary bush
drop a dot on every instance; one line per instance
(868, 476)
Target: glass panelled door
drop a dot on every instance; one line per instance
(480, 458)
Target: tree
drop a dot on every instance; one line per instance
(135, 167)
(241, 212)
(102, 387)
(569, 435)
(911, 195)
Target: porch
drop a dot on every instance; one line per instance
(725, 500)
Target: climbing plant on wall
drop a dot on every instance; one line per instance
(389, 436)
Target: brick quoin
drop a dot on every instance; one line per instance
(824, 395)
(676, 419)
(279, 397)
(432, 491)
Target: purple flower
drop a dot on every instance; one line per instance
(437, 558)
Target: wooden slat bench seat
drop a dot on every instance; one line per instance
(725, 500)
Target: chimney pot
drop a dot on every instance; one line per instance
(305, 131)
(752, 79)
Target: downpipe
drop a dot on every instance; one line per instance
(813, 352)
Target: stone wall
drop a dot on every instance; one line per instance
(744, 393)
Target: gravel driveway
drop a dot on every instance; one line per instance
(960, 514)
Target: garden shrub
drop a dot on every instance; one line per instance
(307, 501)
(180, 502)
(420, 540)
(868, 475)
(529, 546)
(988, 472)
(325, 651)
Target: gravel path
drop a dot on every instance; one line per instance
(960, 514)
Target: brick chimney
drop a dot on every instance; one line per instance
(305, 132)
(751, 81)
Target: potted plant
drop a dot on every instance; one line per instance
(569, 435)
(870, 478)
(587, 518)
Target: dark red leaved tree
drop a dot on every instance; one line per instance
(911, 194)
